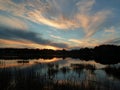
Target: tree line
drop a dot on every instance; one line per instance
(102, 53)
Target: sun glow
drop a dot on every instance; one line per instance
(25, 44)
(47, 60)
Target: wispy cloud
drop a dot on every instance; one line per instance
(110, 30)
(12, 22)
(95, 22)
(17, 34)
(14, 43)
(75, 14)
(85, 6)
(85, 42)
(113, 40)
(23, 44)
(56, 37)
(75, 41)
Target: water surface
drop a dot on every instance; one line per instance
(71, 71)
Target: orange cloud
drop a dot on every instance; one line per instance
(85, 42)
(23, 44)
(56, 37)
(51, 13)
(13, 22)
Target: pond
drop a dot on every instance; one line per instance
(57, 74)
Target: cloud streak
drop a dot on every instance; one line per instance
(60, 14)
(23, 44)
(85, 42)
(110, 30)
(115, 41)
(56, 37)
(16, 34)
(12, 22)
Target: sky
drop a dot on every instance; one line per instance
(58, 24)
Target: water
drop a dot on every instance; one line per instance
(58, 73)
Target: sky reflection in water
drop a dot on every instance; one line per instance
(59, 69)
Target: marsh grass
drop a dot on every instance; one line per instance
(30, 80)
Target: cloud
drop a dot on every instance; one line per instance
(16, 34)
(56, 37)
(75, 41)
(110, 30)
(60, 22)
(95, 22)
(4, 43)
(85, 6)
(12, 22)
(85, 42)
(14, 43)
(114, 40)
(60, 14)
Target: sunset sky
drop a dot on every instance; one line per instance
(57, 24)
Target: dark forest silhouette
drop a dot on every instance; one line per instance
(107, 54)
